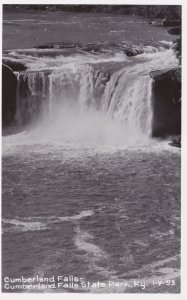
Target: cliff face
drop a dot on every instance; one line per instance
(166, 102)
(9, 86)
(177, 47)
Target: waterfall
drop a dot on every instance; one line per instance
(90, 92)
(123, 96)
(127, 98)
(32, 92)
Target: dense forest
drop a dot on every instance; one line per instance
(148, 11)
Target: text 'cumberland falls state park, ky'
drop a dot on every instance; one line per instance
(91, 162)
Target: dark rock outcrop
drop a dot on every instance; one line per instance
(176, 141)
(171, 23)
(175, 31)
(166, 102)
(177, 46)
(59, 45)
(156, 22)
(14, 65)
(9, 85)
(128, 49)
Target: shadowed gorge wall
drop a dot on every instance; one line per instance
(9, 86)
(166, 102)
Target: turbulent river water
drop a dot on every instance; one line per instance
(86, 191)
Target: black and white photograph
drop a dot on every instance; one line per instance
(91, 148)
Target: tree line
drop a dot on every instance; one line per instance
(148, 11)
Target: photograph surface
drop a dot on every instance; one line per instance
(91, 148)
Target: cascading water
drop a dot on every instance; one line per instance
(127, 98)
(104, 94)
(32, 91)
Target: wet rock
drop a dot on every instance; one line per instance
(174, 74)
(176, 141)
(92, 48)
(175, 31)
(128, 49)
(166, 102)
(59, 45)
(133, 50)
(44, 47)
(177, 45)
(171, 22)
(14, 65)
(9, 85)
(157, 22)
(165, 23)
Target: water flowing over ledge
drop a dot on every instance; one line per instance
(103, 95)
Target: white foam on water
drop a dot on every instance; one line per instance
(54, 219)
(117, 31)
(93, 254)
(83, 242)
(19, 20)
(82, 214)
(169, 43)
(21, 226)
(41, 223)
